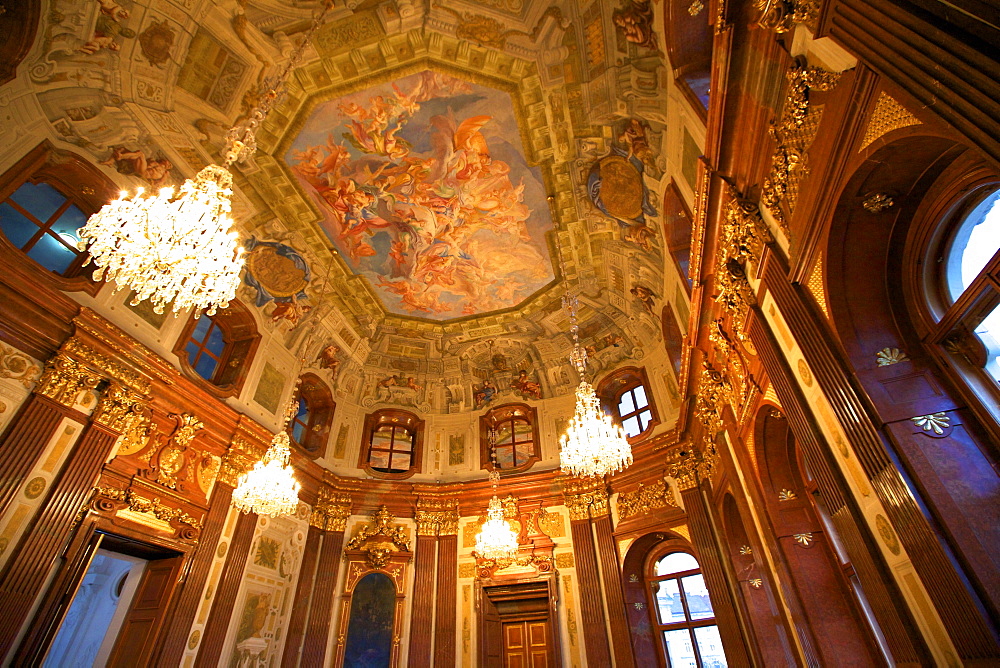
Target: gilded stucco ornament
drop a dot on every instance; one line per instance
(331, 510)
(744, 233)
(172, 460)
(934, 422)
(714, 393)
(18, 366)
(783, 15)
(735, 295)
(436, 516)
(890, 356)
(239, 459)
(64, 379)
(690, 465)
(787, 495)
(877, 202)
(804, 539)
(791, 145)
(121, 409)
(645, 499)
(379, 539)
(140, 504)
(585, 497)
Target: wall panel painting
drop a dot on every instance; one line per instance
(369, 634)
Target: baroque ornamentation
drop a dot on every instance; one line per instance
(239, 459)
(714, 392)
(436, 516)
(121, 409)
(756, 583)
(791, 148)
(64, 379)
(331, 510)
(644, 500)
(787, 495)
(890, 356)
(690, 466)
(888, 115)
(18, 366)
(744, 233)
(746, 550)
(379, 539)
(804, 539)
(783, 15)
(735, 295)
(877, 202)
(935, 422)
(585, 498)
(140, 504)
(172, 459)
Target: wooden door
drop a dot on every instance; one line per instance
(138, 630)
(491, 645)
(526, 644)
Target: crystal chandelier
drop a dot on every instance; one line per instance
(270, 487)
(496, 541)
(182, 247)
(593, 444)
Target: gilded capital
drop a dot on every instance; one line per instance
(692, 465)
(645, 499)
(121, 409)
(64, 379)
(331, 510)
(585, 498)
(238, 460)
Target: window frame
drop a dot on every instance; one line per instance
(948, 326)
(320, 411)
(82, 184)
(658, 628)
(396, 418)
(610, 390)
(498, 415)
(239, 330)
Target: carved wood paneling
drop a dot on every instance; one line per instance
(595, 636)
(447, 597)
(214, 636)
(29, 565)
(186, 606)
(611, 575)
(320, 613)
(303, 592)
(422, 619)
(22, 445)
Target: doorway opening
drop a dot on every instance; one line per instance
(117, 606)
(517, 623)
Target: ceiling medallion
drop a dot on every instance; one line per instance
(182, 247)
(593, 444)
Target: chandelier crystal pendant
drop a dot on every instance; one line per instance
(496, 540)
(270, 487)
(182, 246)
(593, 444)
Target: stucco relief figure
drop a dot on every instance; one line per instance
(635, 21)
(484, 394)
(528, 388)
(107, 28)
(425, 191)
(645, 296)
(327, 359)
(155, 171)
(394, 389)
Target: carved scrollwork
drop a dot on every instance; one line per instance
(64, 379)
(691, 465)
(331, 510)
(585, 498)
(379, 539)
(782, 15)
(105, 499)
(437, 516)
(789, 156)
(645, 499)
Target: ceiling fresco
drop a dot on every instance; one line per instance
(425, 190)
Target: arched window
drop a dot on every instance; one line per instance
(971, 281)
(513, 429)
(218, 349)
(310, 426)
(392, 444)
(44, 199)
(625, 395)
(681, 612)
(677, 231)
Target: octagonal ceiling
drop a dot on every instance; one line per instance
(425, 190)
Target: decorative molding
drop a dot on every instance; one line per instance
(935, 422)
(817, 286)
(437, 516)
(804, 539)
(756, 583)
(714, 392)
(64, 379)
(693, 465)
(379, 539)
(782, 16)
(792, 144)
(121, 409)
(890, 356)
(888, 115)
(585, 498)
(331, 510)
(877, 202)
(645, 499)
(140, 504)
(787, 495)
(17, 366)
(746, 550)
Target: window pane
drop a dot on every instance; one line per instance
(640, 396)
(524, 451)
(975, 242)
(40, 200)
(668, 601)
(298, 429)
(378, 459)
(676, 562)
(192, 351)
(631, 426)
(625, 405)
(400, 461)
(201, 327)
(679, 648)
(696, 593)
(51, 254)
(68, 223)
(205, 366)
(988, 332)
(523, 431)
(404, 440)
(710, 647)
(382, 437)
(505, 457)
(15, 226)
(303, 412)
(503, 434)
(215, 342)
(645, 418)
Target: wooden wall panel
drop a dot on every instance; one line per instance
(226, 590)
(447, 601)
(607, 554)
(29, 565)
(324, 589)
(422, 608)
(186, 606)
(595, 636)
(23, 443)
(301, 604)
